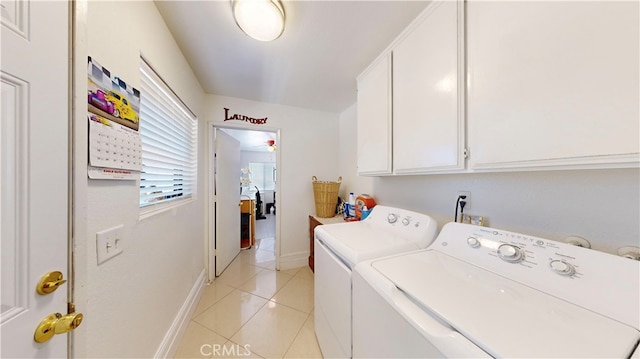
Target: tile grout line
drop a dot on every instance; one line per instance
(212, 304)
(297, 334)
(243, 261)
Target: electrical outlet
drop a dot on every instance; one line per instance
(471, 219)
(467, 199)
(109, 243)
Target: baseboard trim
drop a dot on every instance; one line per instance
(294, 260)
(171, 340)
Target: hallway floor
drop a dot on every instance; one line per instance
(254, 311)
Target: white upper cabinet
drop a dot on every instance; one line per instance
(411, 100)
(374, 119)
(428, 111)
(552, 84)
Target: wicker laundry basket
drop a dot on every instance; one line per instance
(326, 196)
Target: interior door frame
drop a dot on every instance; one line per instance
(210, 238)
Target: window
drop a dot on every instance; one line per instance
(168, 130)
(263, 175)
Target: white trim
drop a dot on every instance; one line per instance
(79, 149)
(152, 210)
(210, 212)
(631, 160)
(171, 340)
(209, 240)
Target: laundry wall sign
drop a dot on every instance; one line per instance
(238, 117)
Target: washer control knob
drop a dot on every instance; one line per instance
(510, 253)
(473, 242)
(562, 267)
(406, 221)
(392, 218)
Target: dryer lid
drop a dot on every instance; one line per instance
(358, 241)
(501, 316)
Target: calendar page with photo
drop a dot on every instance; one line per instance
(115, 148)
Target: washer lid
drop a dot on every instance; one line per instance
(503, 317)
(355, 242)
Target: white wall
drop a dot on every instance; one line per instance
(255, 156)
(308, 146)
(349, 157)
(131, 301)
(602, 206)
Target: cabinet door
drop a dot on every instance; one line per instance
(553, 84)
(374, 119)
(428, 120)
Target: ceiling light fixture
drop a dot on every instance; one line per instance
(263, 20)
(271, 145)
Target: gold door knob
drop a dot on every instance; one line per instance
(50, 282)
(68, 322)
(56, 324)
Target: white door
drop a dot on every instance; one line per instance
(34, 140)
(227, 192)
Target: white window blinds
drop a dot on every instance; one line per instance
(168, 130)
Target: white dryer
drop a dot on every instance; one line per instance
(339, 247)
(483, 292)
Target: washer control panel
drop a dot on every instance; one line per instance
(406, 220)
(402, 223)
(528, 251)
(578, 275)
(510, 253)
(561, 267)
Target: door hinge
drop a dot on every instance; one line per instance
(466, 153)
(71, 308)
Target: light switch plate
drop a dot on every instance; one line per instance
(109, 243)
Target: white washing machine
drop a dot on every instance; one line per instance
(339, 247)
(483, 292)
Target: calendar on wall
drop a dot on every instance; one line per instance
(114, 150)
(113, 106)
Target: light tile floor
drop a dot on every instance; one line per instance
(254, 311)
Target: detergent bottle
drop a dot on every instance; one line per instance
(351, 206)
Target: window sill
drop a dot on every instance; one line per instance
(156, 209)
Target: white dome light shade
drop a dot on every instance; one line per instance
(263, 20)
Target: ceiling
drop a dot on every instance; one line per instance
(251, 140)
(313, 65)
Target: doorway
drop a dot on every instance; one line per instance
(256, 183)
